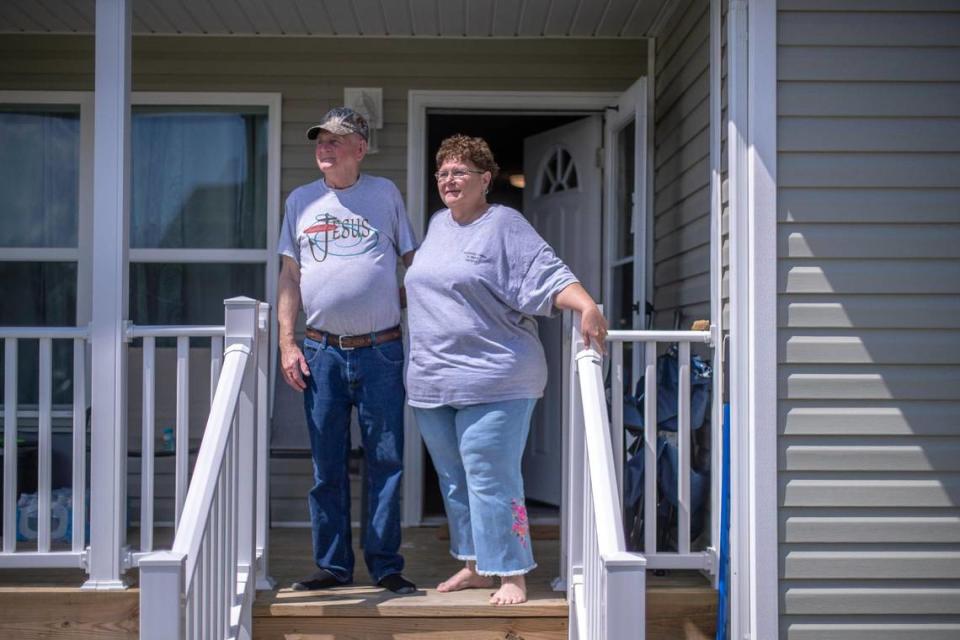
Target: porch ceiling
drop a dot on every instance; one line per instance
(372, 18)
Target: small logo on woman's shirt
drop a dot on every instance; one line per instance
(475, 258)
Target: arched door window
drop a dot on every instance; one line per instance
(559, 173)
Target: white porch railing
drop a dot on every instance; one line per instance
(46, 420)
(606, 583)
(43, 555)
(204, 587)
(182, 334)
(684, 557)
(606, 587)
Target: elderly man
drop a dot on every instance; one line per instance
(340, 241)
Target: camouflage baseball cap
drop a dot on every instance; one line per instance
(341, 121)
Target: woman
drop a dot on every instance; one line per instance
(476, 364)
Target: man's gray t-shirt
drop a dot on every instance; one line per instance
(346, 242)
(472, 293)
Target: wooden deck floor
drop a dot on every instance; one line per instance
(49, 604)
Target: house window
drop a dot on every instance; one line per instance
(198, 215)
(40, 212)
(202, 226)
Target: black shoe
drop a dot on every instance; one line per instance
(397, 583)
(321, 579)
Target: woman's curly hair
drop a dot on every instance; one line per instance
(467, 149)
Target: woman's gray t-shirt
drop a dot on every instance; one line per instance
(472, 292)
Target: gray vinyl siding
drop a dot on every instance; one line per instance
(310, 74)
(869, 331)
(682, 168)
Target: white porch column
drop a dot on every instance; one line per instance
(111, 201)
(761, 302)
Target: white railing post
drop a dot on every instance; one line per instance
(561, 582)
(44, 445)
(650, 449)
(683, 449)
(111, 202)
(616, 400)
(10, 402)
(575, 466)
(626, 595)
(147, 442)
(161, 596)
(79, 444)
(242, 323)
(182, 429)
(264, 580)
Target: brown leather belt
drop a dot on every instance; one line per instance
(355, 342)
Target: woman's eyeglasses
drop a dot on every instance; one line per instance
(456, 174)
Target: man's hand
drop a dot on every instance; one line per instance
(294, 366)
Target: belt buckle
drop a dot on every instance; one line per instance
(340, 344)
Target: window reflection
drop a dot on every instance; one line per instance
(199, 179)
(190, 293)
(39, 160)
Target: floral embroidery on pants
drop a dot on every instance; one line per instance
(520, 528)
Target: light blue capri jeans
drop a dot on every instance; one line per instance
(477, 450)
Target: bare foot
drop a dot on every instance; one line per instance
(466, 578)
(513, 590)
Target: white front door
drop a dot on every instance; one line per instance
(562, 199)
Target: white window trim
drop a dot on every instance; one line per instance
(233, 256)
(39, 254)
(632, 106)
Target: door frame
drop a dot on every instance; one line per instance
(418, 103)
(632, 105)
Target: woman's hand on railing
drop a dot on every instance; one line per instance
(593, 327)
(294, 366)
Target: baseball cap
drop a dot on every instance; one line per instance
(341, 121)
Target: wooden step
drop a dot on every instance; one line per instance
(679, 605)
(52, 613)
(436, 628)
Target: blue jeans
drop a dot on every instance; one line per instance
(477, 451)
(370, 378)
